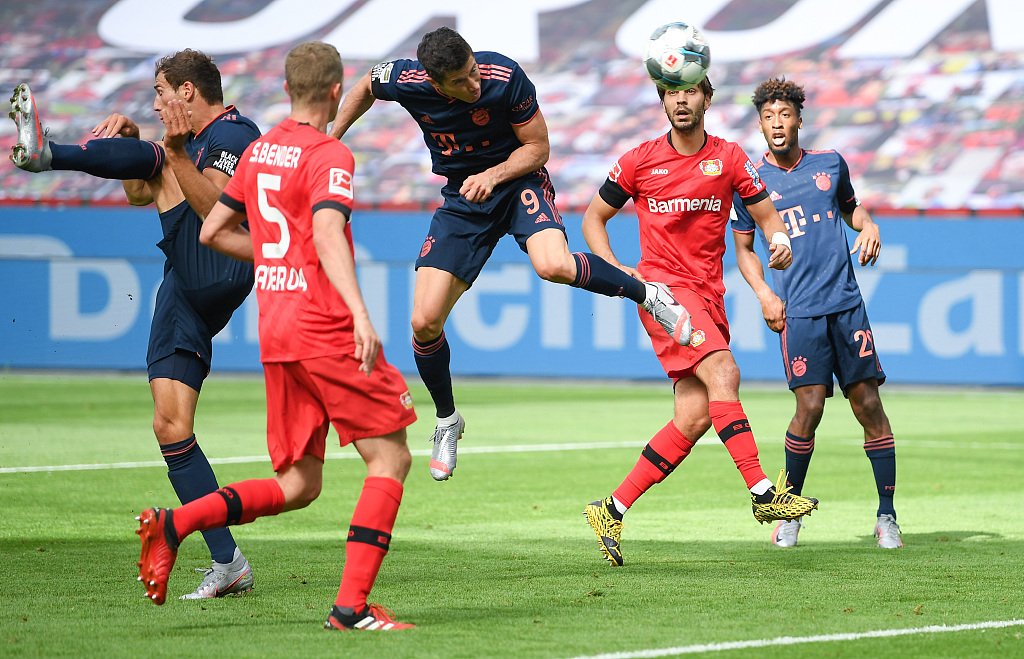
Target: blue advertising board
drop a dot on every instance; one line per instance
(946, 301)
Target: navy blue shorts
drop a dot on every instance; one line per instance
(183, 366)
(200, 290)
(813, 349)
(463, 234)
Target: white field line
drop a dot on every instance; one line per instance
(797, 640)
(523, 448)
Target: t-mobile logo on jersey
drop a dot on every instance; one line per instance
(794, 219)
(682, 204)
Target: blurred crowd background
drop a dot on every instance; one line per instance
(938, 130)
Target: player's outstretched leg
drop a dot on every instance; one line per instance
(444, 456)
(607, 524)
(32, 150)
(670, 314)
(785, 532)
(373, 618)
(888, 532)
(779, 503)
(223, 579)
(159, 551)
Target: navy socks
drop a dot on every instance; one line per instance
(192, 477)
(882, 453)
(596, 275)
(798, 458)
(112, 158)
(433, 360)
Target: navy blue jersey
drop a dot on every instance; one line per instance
(201, 286)
(463, 138)
(811, 198)
(221, 142)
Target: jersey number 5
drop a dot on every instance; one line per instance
(266, 182)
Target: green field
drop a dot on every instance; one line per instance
(499, 561)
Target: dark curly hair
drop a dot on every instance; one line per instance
(443, 52)
(779, 89)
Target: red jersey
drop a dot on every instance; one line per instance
(281, 179)
(683, 204)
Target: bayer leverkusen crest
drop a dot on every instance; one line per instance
(711, 167)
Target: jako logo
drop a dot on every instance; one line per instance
(655, 172)
(683, 204)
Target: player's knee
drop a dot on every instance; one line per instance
(809, 413)
(402, 463)
(425, 328)
(725, 378)
(869, 411)
(555, 270)
(693, 426)
(305, 495)
(168, 430)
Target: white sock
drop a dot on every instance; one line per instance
(619, 506)
(761, 487)
(448, 420)
(651, 292)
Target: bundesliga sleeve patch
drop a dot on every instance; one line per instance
(616, 172)
(754, 176)
(382, 72)
(340, 182)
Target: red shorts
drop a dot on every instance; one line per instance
(304, 396)
(710, 334)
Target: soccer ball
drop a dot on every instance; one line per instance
(677, 56)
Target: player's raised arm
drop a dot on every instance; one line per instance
(530, 157)
(356, 103)
(201, 189)
(771, 224)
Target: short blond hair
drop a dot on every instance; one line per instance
(311, 69)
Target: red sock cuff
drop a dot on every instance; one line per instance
(378, 504)
(724, 411)
(248, 500)
(670, 434)
(260, 497)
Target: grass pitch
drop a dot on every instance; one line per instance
(499, 560)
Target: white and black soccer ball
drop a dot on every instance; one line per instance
(677, 56)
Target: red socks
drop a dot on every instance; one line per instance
(661, 455)
(238, 503)
(733, 429)
(369, 537)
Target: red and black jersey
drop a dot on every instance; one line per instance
(281, 180)
(683, 205)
